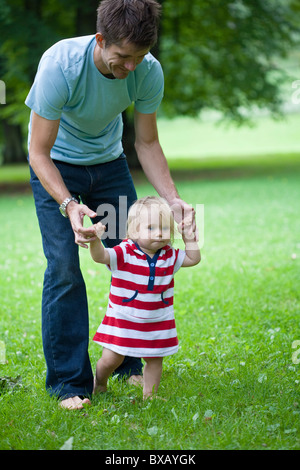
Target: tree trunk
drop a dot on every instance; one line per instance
(13, 151)
(128, 142)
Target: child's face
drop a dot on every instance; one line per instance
(153, 230)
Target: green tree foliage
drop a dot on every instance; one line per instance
(216, 54)
(223, 55)
(27, 29)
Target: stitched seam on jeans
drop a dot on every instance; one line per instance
(91, 178)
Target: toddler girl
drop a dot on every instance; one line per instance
(139, 321)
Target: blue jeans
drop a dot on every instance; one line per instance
(65, 324)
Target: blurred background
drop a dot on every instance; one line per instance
(229, 125)
(232, 77)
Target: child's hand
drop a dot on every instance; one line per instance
(185, 227)
(99, 229)
(98, 252)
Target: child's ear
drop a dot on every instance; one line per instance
(134, 232)
(137, 230)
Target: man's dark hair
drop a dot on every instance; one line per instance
(135, 21)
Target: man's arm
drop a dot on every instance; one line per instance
(155, 165)
(43, 136)
(151, 155)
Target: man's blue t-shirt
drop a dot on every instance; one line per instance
(68, 86)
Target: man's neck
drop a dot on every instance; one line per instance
(99, 63)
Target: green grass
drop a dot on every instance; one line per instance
(194, 139)
(201, 144)
(232, 385)
(14, 173)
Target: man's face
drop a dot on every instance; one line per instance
(120, 60)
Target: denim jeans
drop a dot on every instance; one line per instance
(65, 324)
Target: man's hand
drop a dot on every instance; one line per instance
(184, 212)
(76, 213)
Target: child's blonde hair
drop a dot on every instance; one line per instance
(149, 203)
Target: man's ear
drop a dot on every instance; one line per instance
(100, 40)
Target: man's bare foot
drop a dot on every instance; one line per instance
(136, 380)
(74, 403)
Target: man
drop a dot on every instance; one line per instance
(75, 153)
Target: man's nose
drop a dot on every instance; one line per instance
(130, 65)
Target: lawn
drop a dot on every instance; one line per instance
(234, 384)
(204, 138)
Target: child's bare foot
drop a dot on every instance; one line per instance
(151, 397)
(99, 387)
(136, 380)
(74, 403)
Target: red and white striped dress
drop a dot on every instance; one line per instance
(139, 320)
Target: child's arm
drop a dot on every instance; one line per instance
(97, 250)
(192, 251)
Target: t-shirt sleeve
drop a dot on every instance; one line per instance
(49, 92)
(151, 90)
(180, 255)
(116, 255)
